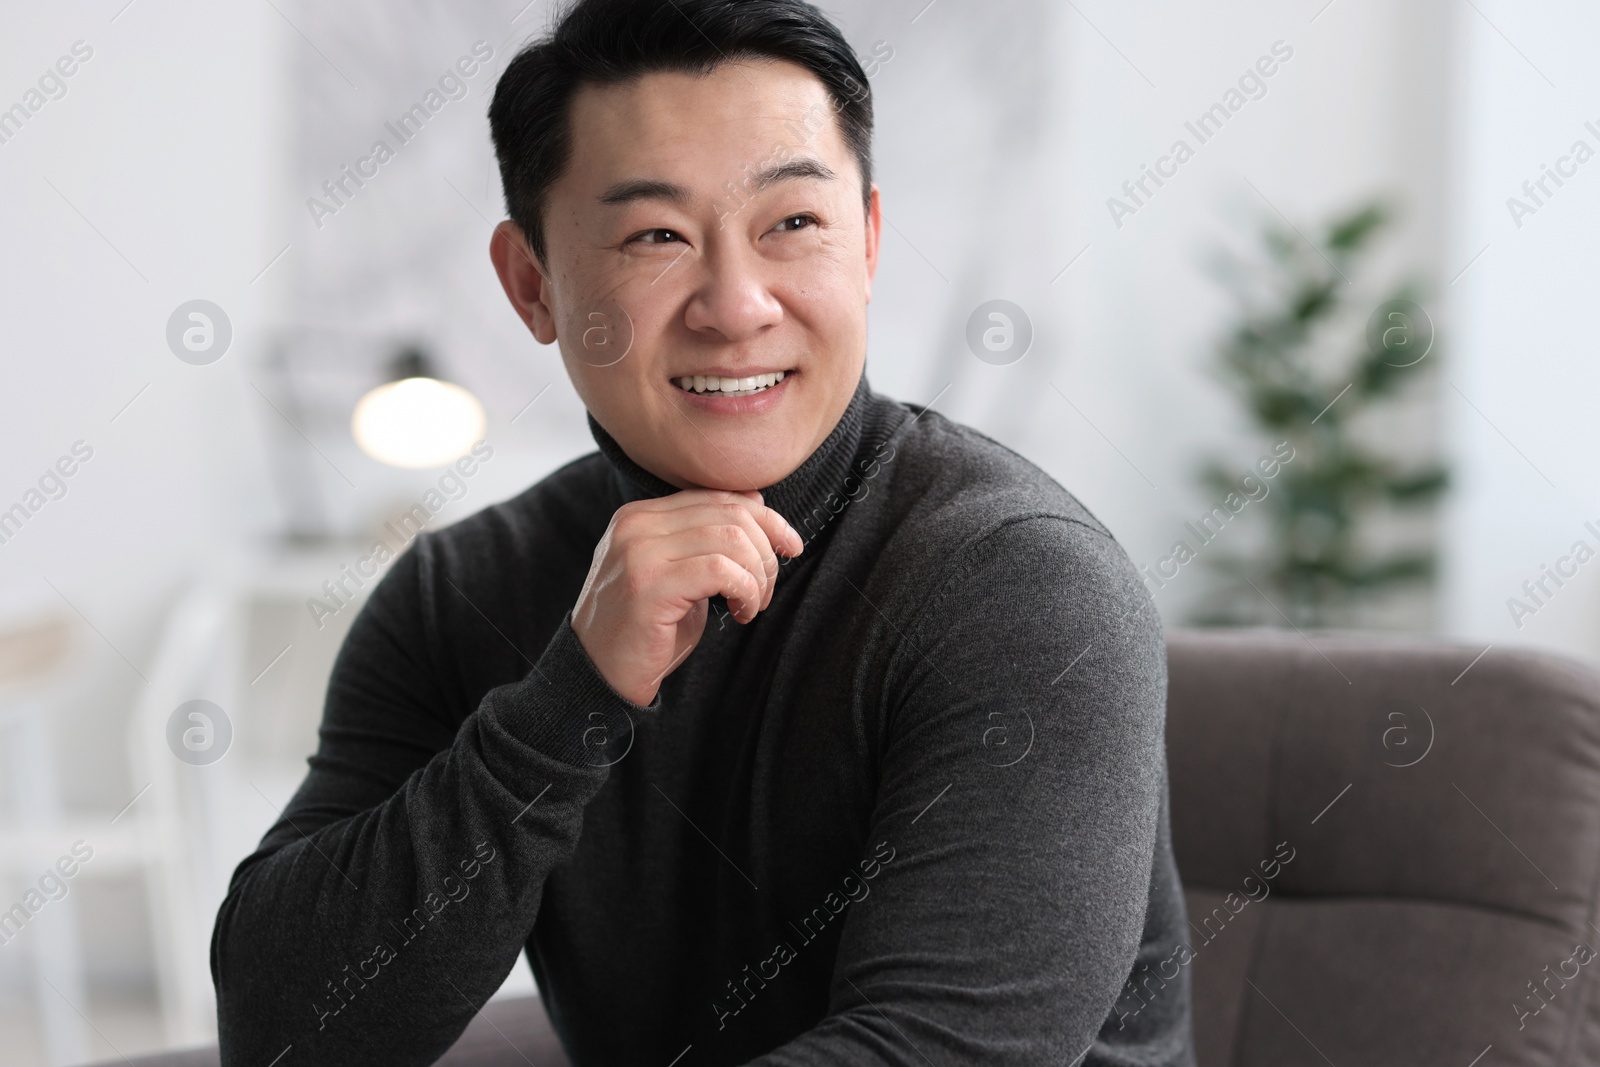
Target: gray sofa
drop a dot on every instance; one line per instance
(1391, 851)
(1445, 829)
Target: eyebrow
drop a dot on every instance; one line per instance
(626, 192)
(804, 167)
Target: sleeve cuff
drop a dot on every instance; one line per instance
(566, 709)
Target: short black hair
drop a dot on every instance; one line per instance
(607, 42)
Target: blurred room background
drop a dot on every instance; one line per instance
(197, 518)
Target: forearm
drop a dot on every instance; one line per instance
(373, 935)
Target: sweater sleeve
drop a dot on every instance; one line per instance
(394, 894)
(1009, 857)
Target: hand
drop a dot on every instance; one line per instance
(643, 606)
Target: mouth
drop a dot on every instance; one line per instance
(715, 385)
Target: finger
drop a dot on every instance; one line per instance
(692, 580)
(780, 536)
(745, 514)
(769, 530)
(650, 517)
(729, 539)
(784, 537)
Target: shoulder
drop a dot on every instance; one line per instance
(561, 514)
(996, 580)
(978, 531)
(959, 497)
(503, 561)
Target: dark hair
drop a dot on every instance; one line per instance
(605, 42)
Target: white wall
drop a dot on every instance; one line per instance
(1522, 422)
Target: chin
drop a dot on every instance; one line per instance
(739, 470)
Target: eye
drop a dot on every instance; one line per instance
(656, 237)
(795, 222)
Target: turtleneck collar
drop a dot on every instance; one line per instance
(821, 476)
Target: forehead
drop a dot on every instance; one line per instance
(671, 123)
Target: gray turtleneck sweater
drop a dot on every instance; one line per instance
(915, 813)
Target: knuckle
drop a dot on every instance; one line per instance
(729, 536)
(626, 521)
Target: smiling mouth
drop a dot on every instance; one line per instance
(712, 385)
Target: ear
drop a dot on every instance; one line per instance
(874, 236)
(523, 280)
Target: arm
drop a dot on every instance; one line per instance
(394, 895)
(404, 878)
(1003, 927)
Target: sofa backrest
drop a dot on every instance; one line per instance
(1390, 849)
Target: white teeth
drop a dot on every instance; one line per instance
(711, 383)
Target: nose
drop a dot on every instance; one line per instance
(732, 300)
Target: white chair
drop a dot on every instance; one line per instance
(182, 815)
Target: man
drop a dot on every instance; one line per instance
(796, 725)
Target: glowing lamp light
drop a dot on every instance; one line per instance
(417, 421)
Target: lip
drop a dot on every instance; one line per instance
(755, 404)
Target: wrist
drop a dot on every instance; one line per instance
(564, 706)
(635, 691)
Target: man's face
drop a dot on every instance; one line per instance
(705, 226)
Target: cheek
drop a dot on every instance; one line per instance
(827, 298)
(601, 322)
